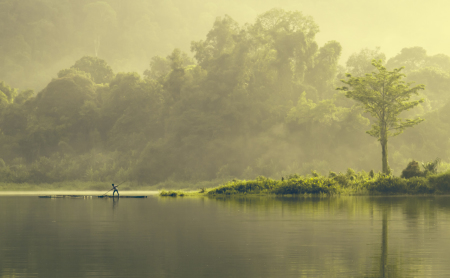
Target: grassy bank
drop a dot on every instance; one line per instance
(346, 184)
(349, 183)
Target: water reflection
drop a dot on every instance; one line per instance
(384, 244)
(115, 202)
(399, 255)
(225, 237)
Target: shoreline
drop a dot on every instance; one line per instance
(74, 192)
(181, 193)
(350, 184)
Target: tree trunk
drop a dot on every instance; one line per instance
(96, 45)
(384, 245)
(384, 154)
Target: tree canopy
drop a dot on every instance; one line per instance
(384, 96)
(250, 99)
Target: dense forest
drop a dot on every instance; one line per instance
(248, 100)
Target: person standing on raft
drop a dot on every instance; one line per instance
(115, 190)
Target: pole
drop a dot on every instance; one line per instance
(112, 188)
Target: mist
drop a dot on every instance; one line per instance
(41, 37)
(160, 92)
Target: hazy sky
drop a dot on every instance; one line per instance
(390, 24)
(155, 27)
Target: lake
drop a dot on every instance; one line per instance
(225, 237)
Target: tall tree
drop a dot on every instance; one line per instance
(361, 62)
(100, 18)
(385, 96)
(323, 73)
(412, 58)
(99, 70)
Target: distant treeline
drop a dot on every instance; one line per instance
(257, 99)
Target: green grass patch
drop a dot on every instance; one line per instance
(171, 193)
(344, 184)
(293, 186)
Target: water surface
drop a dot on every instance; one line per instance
(230, 237)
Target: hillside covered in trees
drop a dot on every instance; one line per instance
(249, 100)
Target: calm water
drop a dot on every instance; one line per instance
(240, 237)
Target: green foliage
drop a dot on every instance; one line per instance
(7, 94)
(159, 68)
(171, 193)
(416, 58)
(420, 185)
(388, 185)
(97, 68)
(300, 185)
(294, 176)
(412, 170)
(314, 185)
(392, 185)
(315, 174)
(384, 102)
(343, 180)
(414, 185)
(440, 182)
(322, 74)
(261, 184)
(358, 64)
(351, 174)
(431, 167)
(384, 96)
(257, 100)
(339, 184)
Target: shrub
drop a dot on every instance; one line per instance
(412, 170)
(420, 185)
(294, 176)
(431, 166)
(252, 186)
(307, 186)
(441, 182)
(342, 180)
(388, 184)
(171, 194)
(351, 174)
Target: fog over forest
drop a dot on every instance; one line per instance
(166, 91)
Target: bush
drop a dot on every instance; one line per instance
(253, 186)
(299, 185)
(441, 182)
(307, 186)
(351, 174)
(412, 170)
(420, 185)
(171, 194)
(315, 174)
(342, 180)
(431, 167)
(388, 184)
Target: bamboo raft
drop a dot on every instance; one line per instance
(88, 196)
